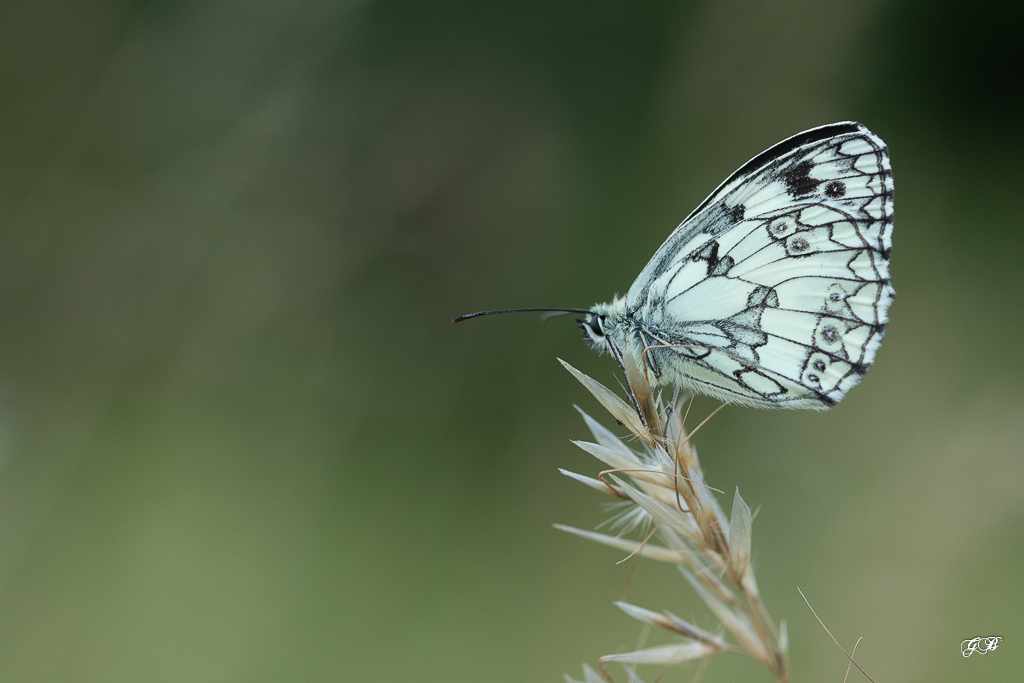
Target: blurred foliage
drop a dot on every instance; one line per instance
(240, 440)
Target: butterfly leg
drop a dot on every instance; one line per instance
(617, 353)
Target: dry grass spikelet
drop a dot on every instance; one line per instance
(660, 476)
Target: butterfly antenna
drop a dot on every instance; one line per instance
(520, 310)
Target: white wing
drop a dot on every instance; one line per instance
(775, 290)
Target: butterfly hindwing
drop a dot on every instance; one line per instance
(775, 290)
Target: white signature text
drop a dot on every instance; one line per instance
(979, 645)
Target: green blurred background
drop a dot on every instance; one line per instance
(239, 440)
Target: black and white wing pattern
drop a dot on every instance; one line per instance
(774, 292)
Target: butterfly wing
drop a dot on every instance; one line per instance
(775, 290)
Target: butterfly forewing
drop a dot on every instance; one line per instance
(775, 290)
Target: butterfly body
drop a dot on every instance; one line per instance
(774, 292)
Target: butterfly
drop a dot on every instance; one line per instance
(775, 291)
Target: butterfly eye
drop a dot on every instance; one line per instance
(595, 325)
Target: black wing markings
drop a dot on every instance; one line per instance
(694, 223)
(720, 267)
(669, 337)
(779, 150)
(777, 377)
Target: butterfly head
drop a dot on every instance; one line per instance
(598, 324)
(593, 331)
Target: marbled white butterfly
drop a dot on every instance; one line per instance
(774, 291)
